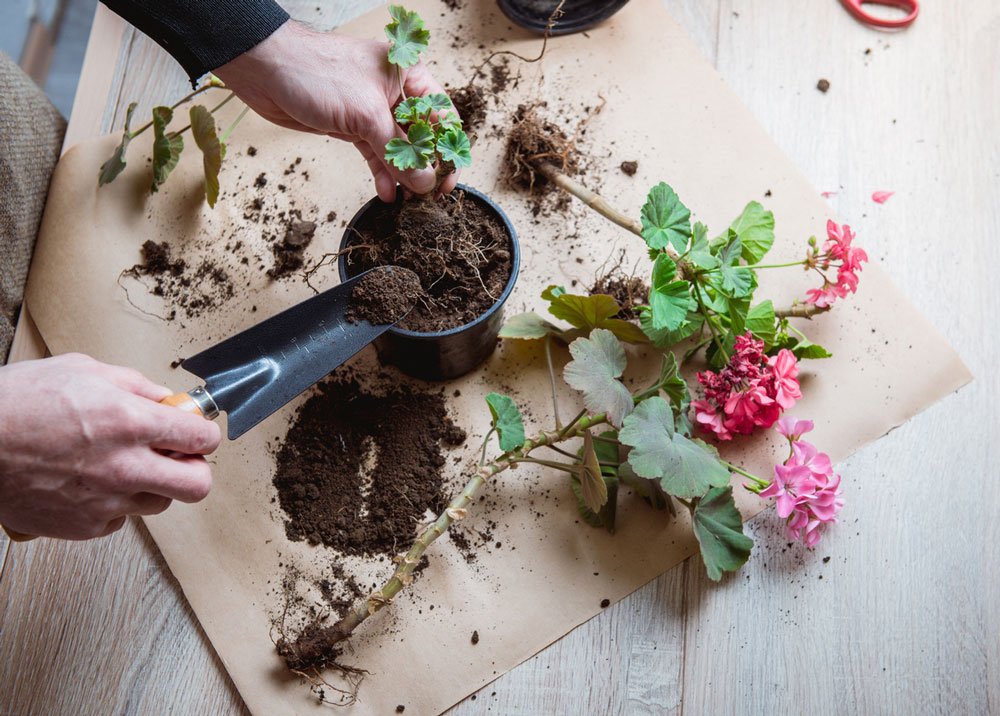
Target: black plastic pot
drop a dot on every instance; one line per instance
(578, 15)
(443, 354)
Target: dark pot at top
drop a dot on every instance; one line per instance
(443, 354)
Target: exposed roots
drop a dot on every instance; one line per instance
(534, 140)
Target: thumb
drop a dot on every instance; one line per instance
(377, 134)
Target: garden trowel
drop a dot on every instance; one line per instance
(254, 373)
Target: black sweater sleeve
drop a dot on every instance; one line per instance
(203, 34)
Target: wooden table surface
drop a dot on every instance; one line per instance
(898, 610)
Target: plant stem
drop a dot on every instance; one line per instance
(552, 381)
(801, 310)
(564, 453)
(229, 130)
(744, 473)
(774, 266)
(175, 105)
(554, 464)
(595, 201)
(486, 443)
(403, 574)
(214, 109)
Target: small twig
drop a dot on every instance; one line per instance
(553, 18)
(801, 310)
(552, 381)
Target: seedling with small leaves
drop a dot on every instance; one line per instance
(434, 134)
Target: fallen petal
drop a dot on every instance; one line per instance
(881, 197)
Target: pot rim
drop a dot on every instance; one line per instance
(494, 307)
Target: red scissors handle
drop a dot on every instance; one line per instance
(856, 8)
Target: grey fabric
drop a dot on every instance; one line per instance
(31, 133)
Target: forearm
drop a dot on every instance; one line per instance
(202, 34)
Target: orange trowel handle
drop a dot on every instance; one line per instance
(196, 401)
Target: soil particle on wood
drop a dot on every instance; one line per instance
(823, 86)
(475, 637)
(288, 253)
(358, 469)
(629, 168)
(383, 296)
(459, 250)
(605, 603)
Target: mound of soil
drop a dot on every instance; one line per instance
(470, 102)
(457, 247)
(383, 296)
(357, 470)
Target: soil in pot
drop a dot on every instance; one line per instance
(460, 252)
(383, 297)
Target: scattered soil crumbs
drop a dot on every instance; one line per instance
(459, 250)
(358, 470)
(288, 253)
(630, 292)
(384, 296)
(630, 168)
(192, 291)
(470, 102)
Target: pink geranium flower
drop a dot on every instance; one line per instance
(750, 392)
(839, 253)
(805, 489)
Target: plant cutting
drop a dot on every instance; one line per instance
(168, 145)
(659, 440)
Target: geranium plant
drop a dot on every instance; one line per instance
(658, 440)
(434, 134)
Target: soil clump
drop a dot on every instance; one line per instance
(629, 168)
(358, 469)
(630, 292)
(288, 253)
(383, 296)
(459, 250)
(192, 291)
(470, 103)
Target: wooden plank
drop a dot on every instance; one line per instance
(903, 616)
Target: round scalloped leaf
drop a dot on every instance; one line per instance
(455, 149)
(414, 152)
(407, 36)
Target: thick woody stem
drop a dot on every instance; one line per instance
(801, 310)
(456, 510)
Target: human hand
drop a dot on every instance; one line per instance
(82, 445)
(327, 83)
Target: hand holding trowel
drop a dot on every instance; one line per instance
(254, 373)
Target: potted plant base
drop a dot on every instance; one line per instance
(464, 250)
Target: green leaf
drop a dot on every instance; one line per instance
(760, 322)
(673, 384)
(592, 487)
(407, 36)
(684, 467)
(506, 421)
(605, 517)
(115, 164)
(719, 529)
(586, 312)
(598, 362)
(662, 338)
(665, 220)
(438, 102)
(755, 229)
(414, 152)
(454, 148)
(590, 312)
(213, 151)
(167, 148)
(528, 326)
(410, 110)
(737, 281)
(553, 292)
(701, 254)
(806, 349)
(669, 299)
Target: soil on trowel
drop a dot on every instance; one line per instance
(459, 250)
(383, 296)
(288, 253)
(358, 468)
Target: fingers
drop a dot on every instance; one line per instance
(376, 133)
(146, 503)
(176, 430)
(187, 478)
(385, 183)
(449, 182)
